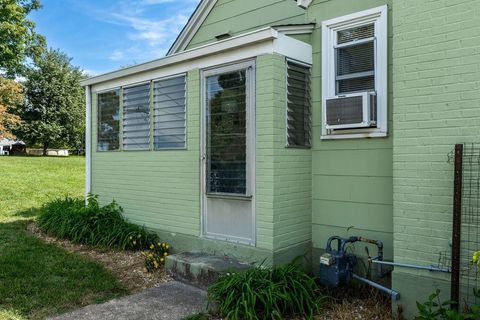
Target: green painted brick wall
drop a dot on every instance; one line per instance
(436, 64)
(161, 189)
(352, 180)
(237, 17)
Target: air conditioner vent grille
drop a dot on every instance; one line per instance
(343, 111)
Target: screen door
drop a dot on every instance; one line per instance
(228, 153)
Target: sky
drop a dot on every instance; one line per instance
(104, 35)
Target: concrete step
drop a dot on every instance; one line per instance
(200, 269)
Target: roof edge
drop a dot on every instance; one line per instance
(245, 39)
(192, 26)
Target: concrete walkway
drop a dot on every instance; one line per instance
(169, 301)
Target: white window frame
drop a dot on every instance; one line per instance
(378, 16)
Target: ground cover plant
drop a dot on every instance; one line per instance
(39, 279)
(266, 293)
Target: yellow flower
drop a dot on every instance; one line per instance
(165, 254)
(155, 263)
(134, 242)
(150, 255)
(159, 244)
(152, 247)
(143, 253)
(131, 237)
(167, 246)
(161, 259)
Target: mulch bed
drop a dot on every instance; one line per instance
(354, 302)
(127, 266)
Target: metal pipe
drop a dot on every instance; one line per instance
(412, 266)
(394, 294)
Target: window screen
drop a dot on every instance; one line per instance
(108, 120)
(227, 133)
(136, 117)
(170, 113)
(355, 60)
(298, 105)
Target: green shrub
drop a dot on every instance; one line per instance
(434, 309)
(93, 225)
(266, 293)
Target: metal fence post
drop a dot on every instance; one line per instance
(456, 227)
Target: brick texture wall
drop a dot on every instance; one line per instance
(436, 79)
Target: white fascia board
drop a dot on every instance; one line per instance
(192, 26)
(295, 29)
(293, 48)
(263, 41)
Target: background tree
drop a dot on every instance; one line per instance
(11, 97)
(18, 39)
(53, 113)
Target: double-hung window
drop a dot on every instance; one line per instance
(354, 75)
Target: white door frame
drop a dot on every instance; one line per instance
(251, 146)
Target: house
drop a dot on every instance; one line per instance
(272, 125)
(11, 147)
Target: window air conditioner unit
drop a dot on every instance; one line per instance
(356, 110)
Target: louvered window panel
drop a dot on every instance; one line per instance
(355, 60)
(298, 105)
(170, 113)
(136, 117)
(108, 120)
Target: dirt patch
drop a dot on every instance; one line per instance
(127, 266)
(356, 302)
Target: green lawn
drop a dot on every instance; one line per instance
(36, 279)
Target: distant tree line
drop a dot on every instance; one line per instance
(41, 99)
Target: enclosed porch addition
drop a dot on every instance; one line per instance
(210, 147)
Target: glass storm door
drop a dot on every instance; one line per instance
(228, 153)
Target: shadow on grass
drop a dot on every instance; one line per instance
(28, 213)
(40, 279)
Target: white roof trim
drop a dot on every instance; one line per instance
(295, 29)
(192, 26)
(249, 45)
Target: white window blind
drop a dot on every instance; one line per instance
(170, 113)
(298, 105)
(355, 60)
(136, 117)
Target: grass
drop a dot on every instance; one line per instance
(38, 279)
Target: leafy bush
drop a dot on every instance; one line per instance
(93, 225)
(266, 293)
(434, 309)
